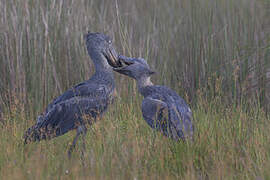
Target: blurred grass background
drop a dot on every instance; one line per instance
(215, 54)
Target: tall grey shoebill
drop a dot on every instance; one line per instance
(83, 103)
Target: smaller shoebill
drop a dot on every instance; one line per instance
(162, 108)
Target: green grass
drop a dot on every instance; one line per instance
(229, 143)
(215, 54)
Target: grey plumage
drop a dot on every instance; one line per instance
(83, 103)
(162, 108)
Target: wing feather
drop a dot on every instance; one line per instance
(68, 110)
(81, 90)
(172, 116)
(181, 118)
(155, 112)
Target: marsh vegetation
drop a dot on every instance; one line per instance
(215, 54)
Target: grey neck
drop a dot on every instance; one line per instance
(143, 82)
(103, 77)
(103, 71)
(100, 62)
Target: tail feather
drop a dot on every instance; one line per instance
(32, 134)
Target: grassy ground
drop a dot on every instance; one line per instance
(215, 54)
(229, 144)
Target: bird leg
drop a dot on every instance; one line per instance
(80, 130)
(83, 145)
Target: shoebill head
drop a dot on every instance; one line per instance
(133, 67)
(101, 50)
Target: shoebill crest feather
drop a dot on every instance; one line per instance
(84, 103)
(162, 108)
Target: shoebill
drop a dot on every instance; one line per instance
(162, 108)
(84, 103)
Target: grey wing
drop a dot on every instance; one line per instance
(83, 89)
(67, 115)
(61, 114)
(181, 119)
(155, 113)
